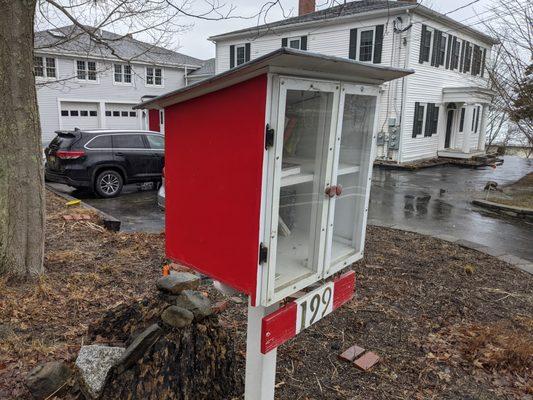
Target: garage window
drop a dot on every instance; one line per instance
(116, 113)
(133, 113)
(128, 142)
(108, 113)
(74, 113)
(84, 113)
(93, 113)
(64, 113)
(124, 113)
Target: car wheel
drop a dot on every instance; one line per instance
(108, 184)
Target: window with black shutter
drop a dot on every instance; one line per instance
(285, 42)
(442, 50)
(418, 121)
(425, 44)
(298, 43)
(456, 54)
(435, 54)
(462, 61)
(366, 45)
(476, 61)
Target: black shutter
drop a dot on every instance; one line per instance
(284, 42)
(422, 56)
(232, 56)
(429, 119)
(467, 59)
(247, 52)
(455, 54)
(483, 62)
(353, 44)
(303, 43)
(462, 60)
(378, 46)
(435, 124)
(449, 54)
(415, 120)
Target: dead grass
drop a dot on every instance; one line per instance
(517, 194)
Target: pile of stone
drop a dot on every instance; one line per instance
(182, 353)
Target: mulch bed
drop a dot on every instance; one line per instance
(448, 322)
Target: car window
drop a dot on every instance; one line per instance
(100, 142)
(156, 142)
(128, 142)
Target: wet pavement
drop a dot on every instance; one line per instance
(434, 200)
(438, 200)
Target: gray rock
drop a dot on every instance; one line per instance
(93, 364)
(177, 317)
(175, 283)
(5, 331)
(45, 379)
(138, 347)
(193, 301)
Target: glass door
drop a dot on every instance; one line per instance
(350, 183)
(305, 136)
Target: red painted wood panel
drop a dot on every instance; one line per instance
(278, 327)
(213, 174)
(153, 120)
(344, 289)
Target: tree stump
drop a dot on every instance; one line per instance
(195, 362)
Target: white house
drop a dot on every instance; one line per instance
(438, 111)
(82, 84)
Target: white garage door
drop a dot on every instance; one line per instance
(121, 116)
(79, 115)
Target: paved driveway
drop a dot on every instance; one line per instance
(436, 200)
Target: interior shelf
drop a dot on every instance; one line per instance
(295, 176)
(292, 258)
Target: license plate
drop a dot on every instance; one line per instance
(314, 306)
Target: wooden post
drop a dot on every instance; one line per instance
(260, 368)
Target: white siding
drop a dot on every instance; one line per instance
(104, 90)
(399, 97)
(425, 86)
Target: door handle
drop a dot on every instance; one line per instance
(119, 154)
(333, 191)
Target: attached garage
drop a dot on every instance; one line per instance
(79, 115)
(121, 116)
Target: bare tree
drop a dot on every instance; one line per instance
(512, 24)
(21, 161)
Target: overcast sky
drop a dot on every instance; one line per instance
(194, 42)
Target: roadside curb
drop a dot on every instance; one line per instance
(110, 222)
(520, 212)
(520, 263)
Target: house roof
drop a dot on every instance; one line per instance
(289, 62)
(354, 9)
(74, 40)
(208, 68)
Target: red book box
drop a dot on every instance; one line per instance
(268, 170)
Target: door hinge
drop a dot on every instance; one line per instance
(269, 137)
(263, 253)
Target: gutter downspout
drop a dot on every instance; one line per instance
(404, 90)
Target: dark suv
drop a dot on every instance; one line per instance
(105, 160)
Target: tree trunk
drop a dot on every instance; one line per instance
(21, 162)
